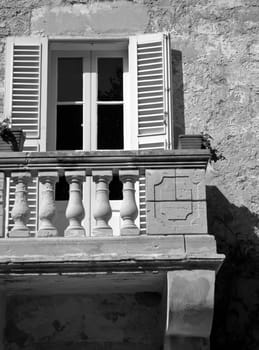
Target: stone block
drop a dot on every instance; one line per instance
(200, 246)
(47, 233)
(102, 232)
(190, 302)
(72, 233)
(176, 201)
(129, 231)
(190, 184)
(177, 217)
(19, 233)
(160, 185)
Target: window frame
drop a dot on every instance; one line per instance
(90, 52)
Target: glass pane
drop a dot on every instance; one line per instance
(110, 84)
(70, 82)
(69, 127)
(110, 127)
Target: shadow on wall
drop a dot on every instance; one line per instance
(237, 284)
(234, 227)
(177, 95)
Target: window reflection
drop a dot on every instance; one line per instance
(110, 79)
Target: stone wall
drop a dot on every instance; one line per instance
(216, 86)
(95, 322)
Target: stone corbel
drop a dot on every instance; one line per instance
(190, 304)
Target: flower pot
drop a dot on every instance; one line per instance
(190, 141)
(13, 144)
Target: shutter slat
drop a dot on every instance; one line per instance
(150, 57)
(150, 70)
(25, 83)
(144, 76)
(157, 115)
(149, 79)
(147, 99)
(26, 62)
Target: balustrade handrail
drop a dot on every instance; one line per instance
(115, 160)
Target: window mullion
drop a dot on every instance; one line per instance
(87, 102)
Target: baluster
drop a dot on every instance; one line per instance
(75, 210)
(102, 209)
(129, 210)
(20, 212)
(47, 204)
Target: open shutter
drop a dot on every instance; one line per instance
(150, 54)
(26, 79)
(150, 63)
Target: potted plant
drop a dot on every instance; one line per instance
(11, 139)
(190, 141)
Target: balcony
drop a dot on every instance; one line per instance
(157, 249)
(168, 227)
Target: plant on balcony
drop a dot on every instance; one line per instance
(12, 139)
(215, 155)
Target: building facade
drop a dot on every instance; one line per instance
(103, 89)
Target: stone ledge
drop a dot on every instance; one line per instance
(43, 255)
(91, 249)
(200, 245)
(35, 161)
(38, 268)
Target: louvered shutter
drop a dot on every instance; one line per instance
(26, 80)
(150, 53)
(149, 62)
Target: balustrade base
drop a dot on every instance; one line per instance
(129, 231)
(47, 233)
(19, 233)
(102, 232)
(75, 232)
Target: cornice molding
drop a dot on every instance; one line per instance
(10, 161)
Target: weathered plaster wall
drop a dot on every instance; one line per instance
(95, 322)
(216, 88)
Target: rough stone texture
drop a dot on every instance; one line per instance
(215, 56)
(112, 321)
(97, 18)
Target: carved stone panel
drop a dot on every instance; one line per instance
(176, 201)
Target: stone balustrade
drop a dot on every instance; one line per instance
(174, 192)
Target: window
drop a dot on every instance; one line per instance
(76, 94)
(87, 93)
(126, 81)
